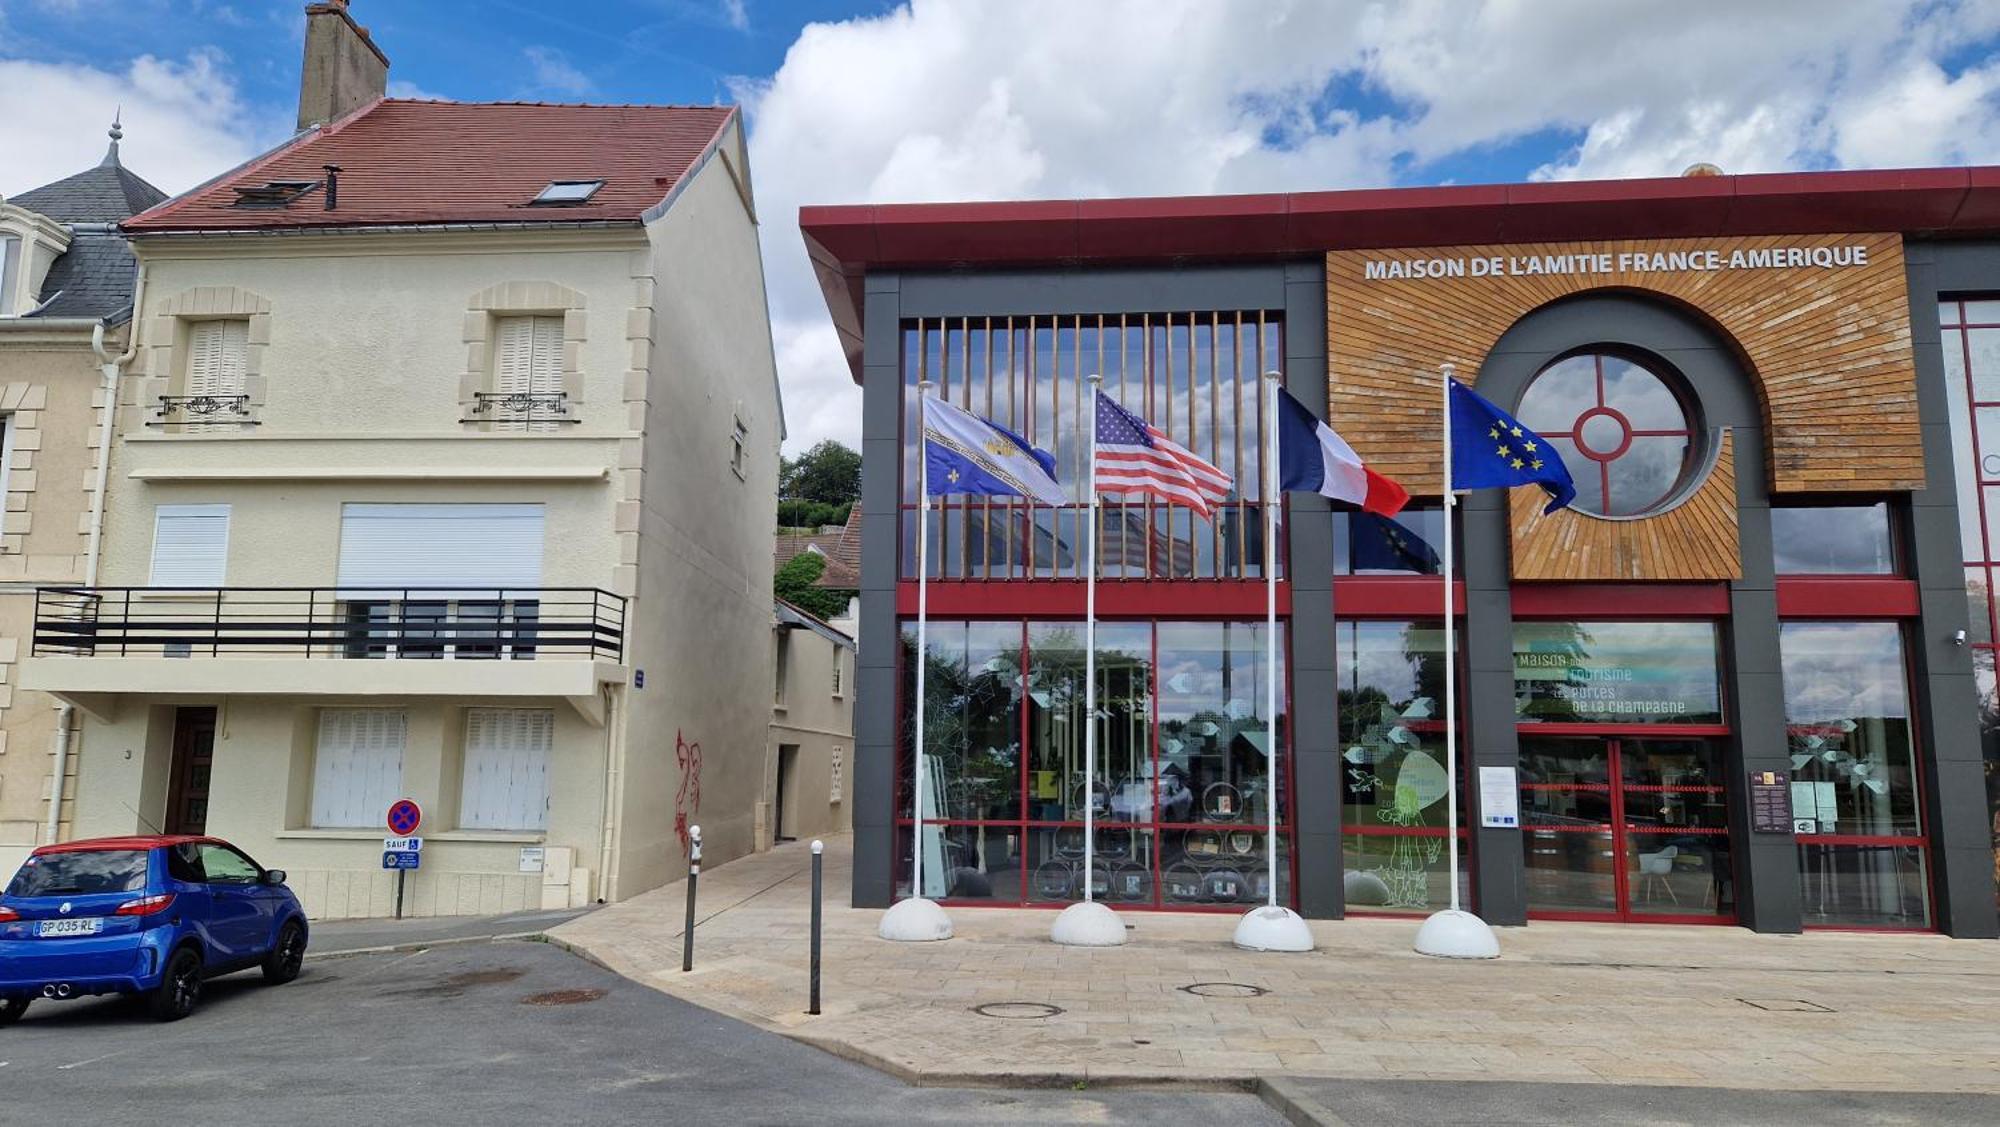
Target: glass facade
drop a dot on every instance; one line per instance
(1622, 426)
(1971, 340)
(1393, 808)
(1833, 540)
(1616, 673)
(1181, 792)
(1854, 774)
(1405, 544)
(1193, 376)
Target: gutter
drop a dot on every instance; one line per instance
(390, 229)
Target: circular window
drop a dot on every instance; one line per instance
(1622, 426)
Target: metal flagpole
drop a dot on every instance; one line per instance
(1088, 923)
(1090, 654)
(1272, 928)
(923, 613)
(1452, 933)
(916, 918)
(1450, 656)
(1271, 644)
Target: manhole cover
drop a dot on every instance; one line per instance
(1225, 990)
(563, 997)
(1017, 1010)
(1787, 1005)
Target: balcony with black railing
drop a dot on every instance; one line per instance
(331, 623)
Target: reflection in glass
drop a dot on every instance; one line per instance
(1213, 734)
(1123, 788)
(1616, 672)
(1621, 426)
(1407, 543)
(1391, 714)
(1833, 540)
(1403, 874)
(1863, 885)
(1847, 718)
(971, 722)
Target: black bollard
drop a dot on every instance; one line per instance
(818, 848)
(694, 876)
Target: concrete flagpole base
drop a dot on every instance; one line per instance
(1453, 934)
(1088, 923)
(1273, 929)
(915, 920)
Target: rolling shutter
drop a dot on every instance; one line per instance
(441, 548)
(216, 357)
(506, 782)
(358, 767)
(190, 545)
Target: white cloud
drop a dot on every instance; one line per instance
(184, 120)
(401, 89)
(736, 13)
(953, 100)
(554, 75)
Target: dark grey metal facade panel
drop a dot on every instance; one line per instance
(872, 802)
(1309, 566)
(1018, 293)
(1947, 706)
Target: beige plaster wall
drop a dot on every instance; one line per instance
(814, 720)
(703, 614)
(260, 798)
(48, 382)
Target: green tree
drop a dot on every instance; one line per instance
(829, 473)
(794, 584)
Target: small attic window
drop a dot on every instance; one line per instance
(277, 193)
(567, 192)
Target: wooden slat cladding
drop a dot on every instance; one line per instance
(1829, 349)
(1697, 539)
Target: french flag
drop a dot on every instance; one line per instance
(1313, 459)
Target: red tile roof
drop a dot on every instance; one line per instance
(846, 242)
(415, 162)
(840, 547)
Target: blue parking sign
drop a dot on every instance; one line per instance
(402, 859)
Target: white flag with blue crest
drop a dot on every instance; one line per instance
(964, 453)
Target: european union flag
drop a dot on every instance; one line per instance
(1379, 543)
(1490, 447)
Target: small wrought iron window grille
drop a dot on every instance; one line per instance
(203, 408)
(519, 406)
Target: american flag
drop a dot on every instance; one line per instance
(1134, 457)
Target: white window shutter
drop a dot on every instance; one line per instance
(529, 362)
(217, 357)
(358, 766)
(190, 545)
(441, 548)
(506, 784)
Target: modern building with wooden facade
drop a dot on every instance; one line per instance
(1748, 678)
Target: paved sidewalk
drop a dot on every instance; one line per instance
(1583, 1003)
(347, 937)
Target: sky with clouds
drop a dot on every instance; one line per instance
(957, 99)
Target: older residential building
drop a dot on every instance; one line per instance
(445, 470)
(812, 727)
(65, 293)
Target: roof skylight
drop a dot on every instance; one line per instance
(568, 191)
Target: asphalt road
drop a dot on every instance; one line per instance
(454, 1035)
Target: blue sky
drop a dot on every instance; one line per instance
(963, 99)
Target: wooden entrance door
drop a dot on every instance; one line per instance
(187, 787)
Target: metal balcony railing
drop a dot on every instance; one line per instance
(510, 623)
(202, 409)
(520, 407)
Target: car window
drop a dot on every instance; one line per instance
(223, 865)
(184, 864)
(80, 874)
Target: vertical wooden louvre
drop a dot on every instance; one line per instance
(358, 766)
(506, 780)
(529, 362)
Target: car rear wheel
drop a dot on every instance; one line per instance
(11, 1010)
(180, 987)
(283, 963)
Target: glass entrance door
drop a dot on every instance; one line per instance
(1626, 829)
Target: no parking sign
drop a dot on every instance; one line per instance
(405, 816)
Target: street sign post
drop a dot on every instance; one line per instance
(403, 852)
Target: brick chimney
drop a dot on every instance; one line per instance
(343, 70)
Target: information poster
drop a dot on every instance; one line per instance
(1499, 798)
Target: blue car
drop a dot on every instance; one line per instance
(147, 916)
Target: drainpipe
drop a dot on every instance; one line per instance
(614, 759)
(108, 367)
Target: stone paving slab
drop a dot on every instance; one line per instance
(1582, 1003)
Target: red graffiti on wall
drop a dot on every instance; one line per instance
(687, 800)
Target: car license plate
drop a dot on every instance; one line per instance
(51, 928)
